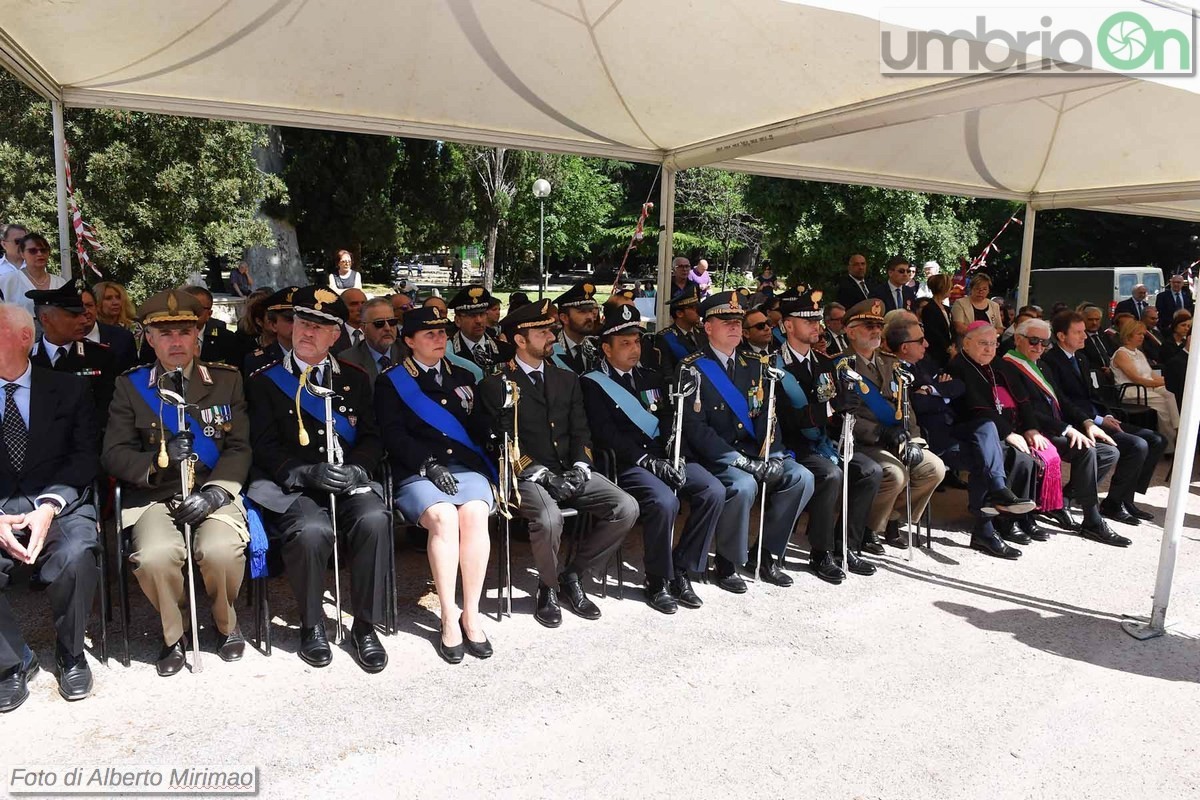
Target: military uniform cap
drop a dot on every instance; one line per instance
(319, 304)
(471, 300)
(723, 305)
(65, 297)
(534, 315)
(801, 301)
(282, 300)
(425, 318)
(169, 306)
(687, 296)
(625, 294)
(869, 310)
(581, 295)
(618, 318)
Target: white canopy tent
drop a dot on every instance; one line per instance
(772, 87)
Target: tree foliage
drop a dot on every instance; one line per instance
(165, 194)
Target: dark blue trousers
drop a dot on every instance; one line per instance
(659, 509)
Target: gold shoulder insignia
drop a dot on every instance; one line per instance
(411, 366)
(219, 365)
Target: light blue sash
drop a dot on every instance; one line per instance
(630, 406)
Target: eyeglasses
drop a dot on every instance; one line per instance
(990, 344)
(36, 250)
(922, 340)
(382, 323)
(762, 326)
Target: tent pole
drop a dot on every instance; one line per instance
(666, 235)
(60, 183)
(1181, 477)
(1026, 255)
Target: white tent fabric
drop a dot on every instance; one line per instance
(789, 88)
(765, 86)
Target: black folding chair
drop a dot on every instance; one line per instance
(257, 590)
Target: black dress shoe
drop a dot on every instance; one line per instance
(993, 545)
(548, 612)
(1061, 519)
(577, 601)
(14, 686)
(727, 577)
(659, 597)
(825, 566)
(230, 646)
(1140, 513)
(1030, 529)
(314, 646)
(1004, 501)
(1118, 514)
(1103, 534)
(892, 534)
(772, 572)
(451, 654)
(681, 589)
(74, 676)
(1015, 536)
(478, 649)
(871, 544)
(172, 658)
(860, 566)
(367, 647)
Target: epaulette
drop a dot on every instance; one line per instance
(691, 358)
(219, 365)
(266, 367)
(411, 366)
(134, 369)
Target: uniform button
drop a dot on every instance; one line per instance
(443, 401)
(153, 424)
(551, 424)
(321, 449)
(342, 409)
(449, 452)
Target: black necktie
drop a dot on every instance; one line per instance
(16, 435)
(729, 368)
(536, 378)
(437, 376)
(899, 300)
(384, 363)
(1075, 363)
(62, 353)
(627, 382)
(1178, 300)
(805, 371)
(862, 286)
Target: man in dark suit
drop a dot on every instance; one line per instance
(556, 465)
(277, 322)
(62, 347)
(119, 340)
(726, 427)
(804, 422)
(1176, 296)
(631, 413)
(381, 348)
(1067, 368)
(1094, 345)
(48, 459)
(835, 335)
(853, 287)
(1137, 304)
(895, 291)
(930, 396)
(683, 336)
(217, 342)
(293, 477)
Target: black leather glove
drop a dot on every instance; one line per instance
(775, 473)
(576, 479)
(322, 477)
(756, 467)
(359, 475)
(179, 447)
(912, 454)
(197, 506)
(557, 486)
(893, 438)
(441, 477)
(666, 472)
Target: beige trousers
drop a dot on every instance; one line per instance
(890, 500)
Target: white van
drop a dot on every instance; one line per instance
(1103, 286)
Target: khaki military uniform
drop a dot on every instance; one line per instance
(131, 447)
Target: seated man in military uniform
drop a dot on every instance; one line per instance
(726, 426)
(632, 415)
(472, 347)
(579, 316)
(808, 389)
(278, 323)
(141, 428)
(294, 476)
(48, 460)
(555, 468)
(889, 438)
(684, 335)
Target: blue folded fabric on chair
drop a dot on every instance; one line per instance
(258, 539)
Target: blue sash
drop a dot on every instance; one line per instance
(729, 393)
(467, 364)
(258, 538)
(798, 399)
(884, 411)
(778, 335)
(676, 347)
(435, 415)
(204, 447)
(559, 352)
(289, 383)
(629, 405)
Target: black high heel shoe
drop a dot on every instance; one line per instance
(451, 655)
(478, 649)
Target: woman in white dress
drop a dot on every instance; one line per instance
(1129, 365)
(36, 252)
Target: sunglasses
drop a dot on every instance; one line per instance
(382, 323)
(922, 340)
(1034, 341)
(762, 326)
(36, 250)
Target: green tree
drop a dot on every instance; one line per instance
(711, 206)
(165, 194)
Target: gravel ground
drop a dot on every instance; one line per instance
(954, 675)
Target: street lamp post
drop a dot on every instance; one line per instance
(541, 190)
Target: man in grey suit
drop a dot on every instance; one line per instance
(381, 346)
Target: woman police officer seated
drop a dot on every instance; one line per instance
(424, 407)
